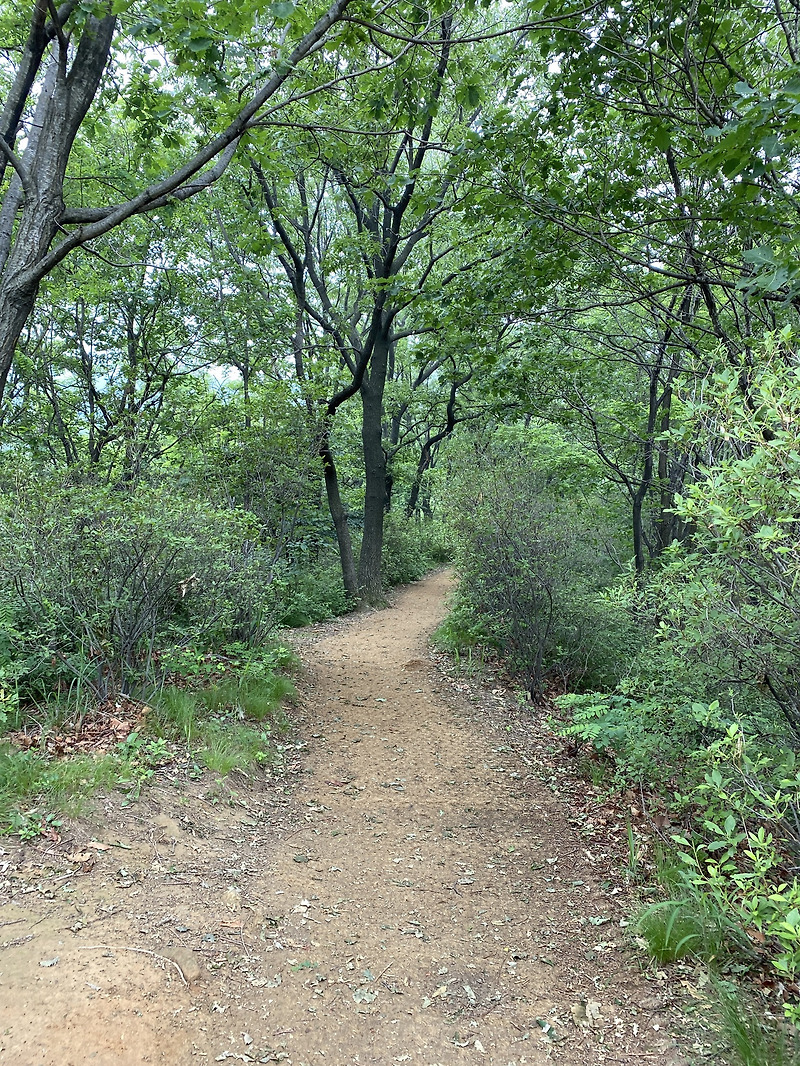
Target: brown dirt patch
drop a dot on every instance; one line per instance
(408, 891)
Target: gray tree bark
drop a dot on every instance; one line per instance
(372, 391)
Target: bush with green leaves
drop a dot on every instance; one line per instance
(745, 845)
(532, 567)
(311, 592)
(15, 664)
(648, 738)
(740, 796)
(102, 575)
(465, 635)
(727, 597)
(710, 706)
(410, 549)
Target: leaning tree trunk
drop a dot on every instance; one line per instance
(42, 180)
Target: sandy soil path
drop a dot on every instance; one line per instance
(415, 896)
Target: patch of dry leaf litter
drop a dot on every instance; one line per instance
(406, 891)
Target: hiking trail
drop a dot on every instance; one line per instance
(408, 890)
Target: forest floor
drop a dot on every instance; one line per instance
(418, 885)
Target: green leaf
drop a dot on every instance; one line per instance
(282, 9)
(661, 137)
(200, 44)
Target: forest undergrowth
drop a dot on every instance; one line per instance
(676, 686)
(112, 665)
(298, 302)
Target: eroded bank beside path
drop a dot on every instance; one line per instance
(419, 898)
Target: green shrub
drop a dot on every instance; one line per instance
(311, 595)
(408, 551)
(106, 575)
(532, 567)
(14, 666)
(463, 634)
(649, 740)
(726, 603)
(745, 815)
(436, 541)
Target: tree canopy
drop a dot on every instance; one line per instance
(298, 300)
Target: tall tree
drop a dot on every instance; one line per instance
(647, 172)
(65, 59)
(362, 212)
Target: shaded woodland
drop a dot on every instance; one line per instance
(299, 303)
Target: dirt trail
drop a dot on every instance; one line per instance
(416, 896)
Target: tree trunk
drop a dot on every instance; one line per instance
(427, 455)
(369, 563)
(416, 484)
(638, 537)
(43, 203)
(339, 515)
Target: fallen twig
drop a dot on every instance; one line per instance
(140, 951)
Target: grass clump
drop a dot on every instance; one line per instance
(257, 698)
(228, 748)
(690, 925)
(261, 699)
(225, 726)
(673, 930)
(217, 697)
(214, 722)
(34, 788)
(754, 1041)
(465, 638)
(176, 712)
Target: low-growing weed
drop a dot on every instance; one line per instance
(257, 698)
(672, 931)
(261, 699)
(33, 786)
(753, 1041)
(596, 769)
(176, 709)
(233, 747)
(213, 722)
(217, 697)
(690, 925)
(140, 757)
(212, 725)
(465, 637)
